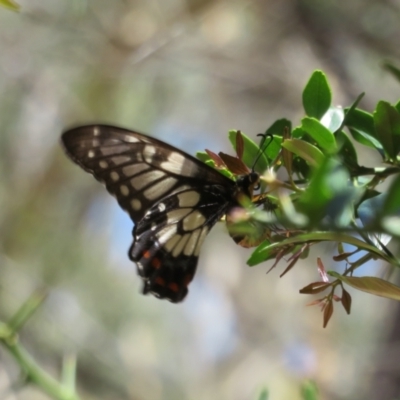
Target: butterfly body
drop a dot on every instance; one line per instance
(173, 199)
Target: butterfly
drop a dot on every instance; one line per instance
(172, 198)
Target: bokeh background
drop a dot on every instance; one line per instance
(184, 71)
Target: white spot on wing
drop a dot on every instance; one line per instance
(178, 164)
(145, 179)
(114, 176)
(174, 163)
(103, 164)
(203, 235)
(118, 160)
(136, 204)
(96, 131)
(171, 243)
(193, 221)
(161, 207)
(159, 189)
(188, 199)
(166, 234)
(131, 139)
(176, 215)
(180, 189)
(109, 151)
(148, 153)
(191, 244)
(124, 190)
(180, 246)
(91, 153)
(134, 169)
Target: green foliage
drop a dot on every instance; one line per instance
(10, 4)
(33, 373)
(309, 391)
(326, 195)
(317, 95)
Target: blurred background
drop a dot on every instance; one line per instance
(184, 71)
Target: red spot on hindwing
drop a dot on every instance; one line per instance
(174, 287)
(146, 254)
(156, 262)
(159, 281)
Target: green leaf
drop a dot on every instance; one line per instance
(300, 166)
(267, 250)
(10, 4)
(387, 126)
(361, 120)
(317, 95)
(309, 391)
(349, 111)
(397, 106)
(392, 201)
(346, 149)
(370, 284)
(392, 69)
(279, 126)
(251, 152)
(323, 136)
(298, 133)
(366, 140)
(203, 156)
(263, 395)
(277, 129)
(206, 159)
(329, 195)
(333, 119)
(390, 210)
(311, 154)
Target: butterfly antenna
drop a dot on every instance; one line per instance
(263, 146)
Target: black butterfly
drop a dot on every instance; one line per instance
(173, 199)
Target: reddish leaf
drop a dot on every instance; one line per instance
(322, 271)
(371, 285)
(289, 267)
(216, 158)
(315, 287)
(344, 256)
(328, 311)
(336, 298)
(234, 164)
(298, 252)
(239, 145)
(346, 300)
(278, 257)
(316, 302)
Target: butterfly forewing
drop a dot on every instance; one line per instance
(173, 199)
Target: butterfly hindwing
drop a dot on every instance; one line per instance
(168, 239)
(173, 199)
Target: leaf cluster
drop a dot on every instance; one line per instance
(314, 189)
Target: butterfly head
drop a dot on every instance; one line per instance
(248, 183)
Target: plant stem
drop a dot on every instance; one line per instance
(33, 371)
